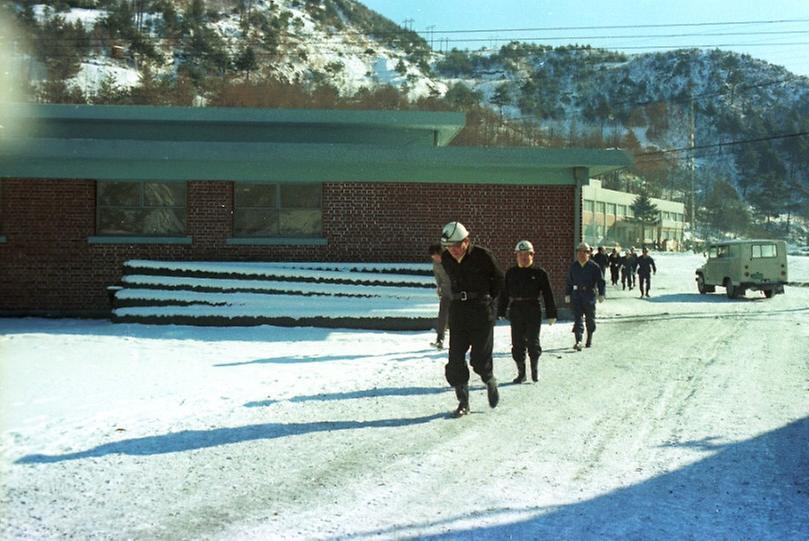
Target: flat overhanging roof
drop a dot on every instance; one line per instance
(117, 159)
(223, 124)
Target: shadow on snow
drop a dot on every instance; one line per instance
(402, 356)
(754, 489)
(189, 440)
(348, 395)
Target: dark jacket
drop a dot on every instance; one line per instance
(584, 282)
(601, 260)
(631, 262)
(615, 260)
(477, 278)
(526, 285)
(645, 265)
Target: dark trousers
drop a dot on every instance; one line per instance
(473, 334)
(443, 317)
(625, 278)
(614, 275)
(644, 278)
(525, 325)
(583, 309)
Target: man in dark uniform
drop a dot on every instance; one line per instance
(600, 257)
(631, 265)
(584, 285)
(525, 284)
(476, 283)
(615, 265)
(646, 266)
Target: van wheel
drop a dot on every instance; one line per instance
(701, 284)
(730, 289)
(769, 293)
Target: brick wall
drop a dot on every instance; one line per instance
(47, 267)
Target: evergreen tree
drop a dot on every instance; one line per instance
(61, 46)
(646, 213)
(725, 211)
(462, 97)
(246, 61)
(108, 92)
(501, 97)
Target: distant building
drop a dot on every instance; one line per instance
(607, 219)
(83, 189)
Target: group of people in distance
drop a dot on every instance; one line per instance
(474, 292)
(627, 266)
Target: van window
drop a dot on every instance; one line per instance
(764, 250)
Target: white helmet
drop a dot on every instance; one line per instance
(453, 233)
(524, 246)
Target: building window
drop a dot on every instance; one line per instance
(140, 208)
(611, 209)
(600, 208)
(622, 210)
(588, 205)
(277, 210)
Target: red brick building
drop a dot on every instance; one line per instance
(85, 188)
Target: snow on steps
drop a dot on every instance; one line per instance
(347, 295)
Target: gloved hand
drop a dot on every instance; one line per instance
(551, 321)
(601, 298)
(567, 299)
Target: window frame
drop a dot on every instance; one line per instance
(760, 251)
(277, 211)
(142, 205)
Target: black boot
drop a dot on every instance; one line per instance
(534, 370)
(462, 393)
(491, 392)
(589, 340)
(520, 372)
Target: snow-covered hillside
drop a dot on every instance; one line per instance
(348, 58)
(688, 419)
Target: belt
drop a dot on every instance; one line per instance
(471, 295)
(583, 288)
(523, 299)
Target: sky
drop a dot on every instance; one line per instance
(774, 30)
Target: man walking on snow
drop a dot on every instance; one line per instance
(584, 285)
(646, 267)
(476, 281)
(524, 286)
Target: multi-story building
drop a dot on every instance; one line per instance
(607, 219)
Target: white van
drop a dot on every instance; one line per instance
(739, 265)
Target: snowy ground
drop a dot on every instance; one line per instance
(688, 419)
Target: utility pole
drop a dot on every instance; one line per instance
(408, 24)
(430, 30)
(692, 143)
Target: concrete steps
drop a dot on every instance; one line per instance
(345, 295)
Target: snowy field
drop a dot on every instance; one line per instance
(688, 419)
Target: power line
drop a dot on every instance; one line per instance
(633, 36)
(660, 153)
(431, 32)
(626, 26)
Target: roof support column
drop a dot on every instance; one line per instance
(582, 176)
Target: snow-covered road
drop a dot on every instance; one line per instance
(688, 419)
